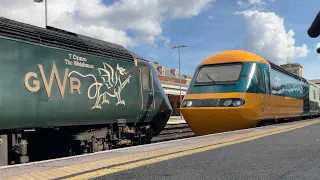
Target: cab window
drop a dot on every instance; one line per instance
(219, 73)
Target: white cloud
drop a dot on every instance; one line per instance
(185, 8)
(242, 4)
(249, 3)
(110, 22)
(266, 35)
(166, 41)
(255, 2)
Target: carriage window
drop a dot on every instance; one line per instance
(145, 78)
(219, 73)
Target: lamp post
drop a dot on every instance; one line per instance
(178, 47)
(45, 8)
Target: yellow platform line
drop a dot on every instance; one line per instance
(159, 155)
(107, 171)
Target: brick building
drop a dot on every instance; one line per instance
(170, 81)
(316, 81)
(295, 68)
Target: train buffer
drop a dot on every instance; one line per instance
(285, 151)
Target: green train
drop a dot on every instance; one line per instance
(64, 94)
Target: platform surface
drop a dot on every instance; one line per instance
(285, 151)
(292, 155)
(176, 120)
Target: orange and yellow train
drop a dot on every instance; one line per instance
(237, 89)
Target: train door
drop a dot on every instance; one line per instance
(268, 104)
(263, 79)
(147, 93)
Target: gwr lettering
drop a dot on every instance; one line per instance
(75, 86)
(48, 85)
(54, 73)
(36, 83)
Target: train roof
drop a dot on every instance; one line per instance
(62, 39)
(245, 56)
(279, 68)
(233, 56)
(137, 56)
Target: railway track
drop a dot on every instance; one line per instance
(172, 132)
(179, 131)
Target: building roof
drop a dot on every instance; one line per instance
(175, 84)
(292, 64)
(167, 72)
(187, 76)
(316, 81)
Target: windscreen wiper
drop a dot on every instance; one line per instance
(209, 77)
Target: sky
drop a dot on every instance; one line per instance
(273, 29)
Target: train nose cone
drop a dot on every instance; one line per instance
(203, 121)
(160, 120)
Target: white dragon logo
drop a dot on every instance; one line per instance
(112, 80)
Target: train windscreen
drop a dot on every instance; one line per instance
(222, 73)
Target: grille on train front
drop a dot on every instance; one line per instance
(207, 103)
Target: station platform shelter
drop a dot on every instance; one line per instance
(173, 94)
(171, 81)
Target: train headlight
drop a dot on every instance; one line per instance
(184, 103)
(237, 102)
(227, 102)
(189, 103)
(232, 102)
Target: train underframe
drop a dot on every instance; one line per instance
(289, 119)
(29, 145)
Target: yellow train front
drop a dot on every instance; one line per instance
(237, 89)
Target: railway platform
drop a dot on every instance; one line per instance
(283, 151)
(176, 120)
